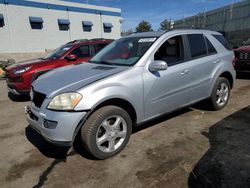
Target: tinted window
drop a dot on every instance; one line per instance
(210, 47)
(82, 51)
(98, 47)
(223, 41)
(63, 27)
(197, 45)
(171, 51)
(87, 28)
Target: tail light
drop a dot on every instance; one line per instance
(234, 61)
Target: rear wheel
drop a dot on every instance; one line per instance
(106, 132)
(220, 94)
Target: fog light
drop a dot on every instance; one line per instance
(49, 124)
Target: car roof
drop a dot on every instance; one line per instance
(89, 41)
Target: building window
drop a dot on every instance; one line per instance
(1, 20)
(107, 27)
(36, 22)
(63, 24)
(87, 26)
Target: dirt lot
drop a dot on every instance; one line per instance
(189, 148)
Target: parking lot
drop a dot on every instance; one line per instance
(189, 148)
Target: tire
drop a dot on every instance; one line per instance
(220, 94)
(106, 132)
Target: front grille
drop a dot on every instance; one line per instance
(244, 56)
(15, 79)
(38, 98)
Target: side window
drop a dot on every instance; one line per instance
(211, 49)
(82, 51)
(223, 41)
(171, 51)
(197, 45)
(98, 47)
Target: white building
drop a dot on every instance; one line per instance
(37, 25)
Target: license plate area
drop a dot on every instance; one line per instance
(30, 113)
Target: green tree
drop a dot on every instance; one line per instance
(165, 25)
(127, 32)
(143, 26)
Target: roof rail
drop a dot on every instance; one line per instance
(87, 40)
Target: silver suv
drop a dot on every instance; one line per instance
(132, 80)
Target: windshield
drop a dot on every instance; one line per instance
(125, 51)
(58, 52)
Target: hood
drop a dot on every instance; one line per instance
(26, 63)
(243, 49)
(73, 77)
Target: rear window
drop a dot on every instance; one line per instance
(223, 41)
(197, 45)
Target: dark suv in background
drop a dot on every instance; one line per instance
(20, 75)
(242, 58)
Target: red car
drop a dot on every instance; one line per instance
(19, 76)
(242, 58)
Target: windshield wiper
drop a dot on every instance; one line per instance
(101, 62)
(107, 63)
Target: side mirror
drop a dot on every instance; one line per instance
(158, 65)
(71, 57)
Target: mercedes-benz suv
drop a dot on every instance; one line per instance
(132, 80)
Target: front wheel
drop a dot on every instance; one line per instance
(106, 132)
(220, 94)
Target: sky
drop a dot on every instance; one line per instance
(155, 11)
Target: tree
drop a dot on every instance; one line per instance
(143, 26)
(126, 32)
(165, 25)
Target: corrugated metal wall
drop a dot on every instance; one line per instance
(233, 20)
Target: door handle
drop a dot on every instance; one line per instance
(185, 72)
(217, 61)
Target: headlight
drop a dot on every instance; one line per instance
(21, 70)
(65, 101)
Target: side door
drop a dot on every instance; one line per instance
(203, 59)
(167, 90)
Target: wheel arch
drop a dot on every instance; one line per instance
(229, 77)
(122, 103)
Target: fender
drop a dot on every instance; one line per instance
(216, 75)
(93, 99)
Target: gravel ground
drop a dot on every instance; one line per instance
(189, 148)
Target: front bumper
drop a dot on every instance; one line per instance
(67, 123)
(12, 88)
